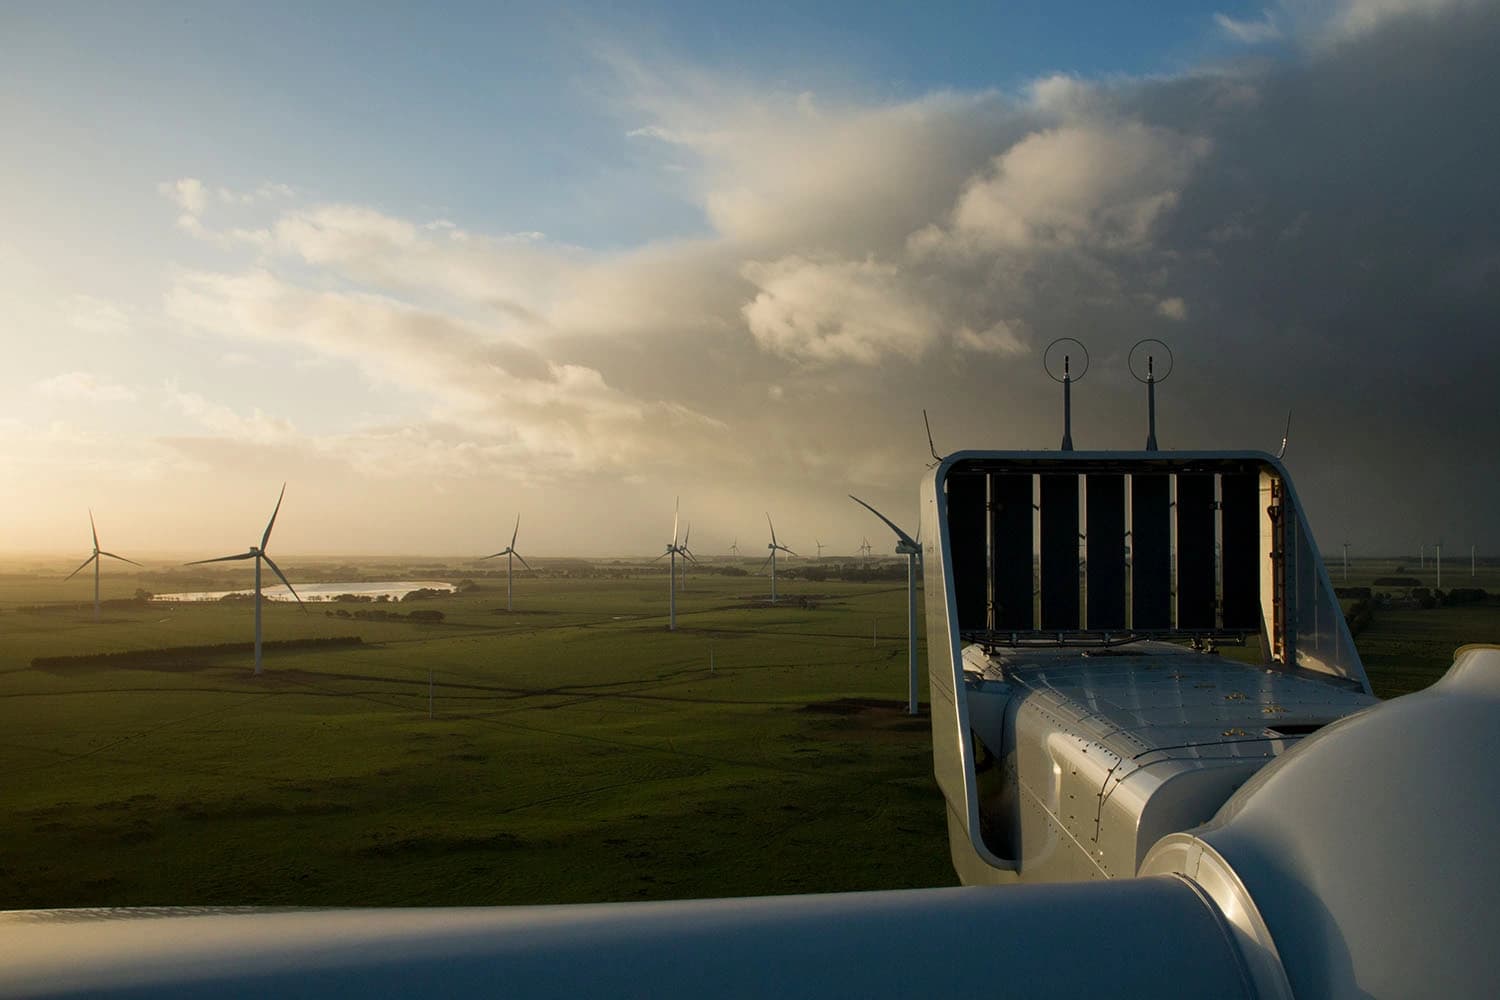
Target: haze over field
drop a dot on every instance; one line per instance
(439, 268)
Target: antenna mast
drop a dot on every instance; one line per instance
(1151, 380)
(1067, 347)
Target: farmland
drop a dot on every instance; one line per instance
(570, 750)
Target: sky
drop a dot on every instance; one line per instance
(437, 267)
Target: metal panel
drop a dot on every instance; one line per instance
(1013, 570)
(1106, 558)
(1150, 552)
(1195, 551)
(1162, 938)
(1240, 495)
(966, 528)
(1060, 552)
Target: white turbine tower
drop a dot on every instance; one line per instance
(95, 560)
(911, 548)
(674, 549)
(258, 553)
(775, 547)
(511, 555)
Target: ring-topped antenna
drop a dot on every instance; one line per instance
(1066, 349)
(1147, 350)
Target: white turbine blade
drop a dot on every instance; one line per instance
(282, 576)
(676, 510)
(788, 551)
(664, 554)
(523, 560)
(773, 527)
(513, 534)
(687, 534)
(242, 555)
(764, 564)
(272, 522)
(94, 529)
(121, 558)
(686, 553)
(80, 568)
(502, 552)
(889, 523)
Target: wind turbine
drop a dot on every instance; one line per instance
(775, 547)
(912, 549)
(734, 546)
(820, 548)
(258, 553)
(95, 560)
(674, 549)
(864, 549)
(511, 555)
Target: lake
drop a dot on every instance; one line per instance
(391, 589)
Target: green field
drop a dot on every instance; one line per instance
(575, 751)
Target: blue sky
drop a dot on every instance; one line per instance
(583, 259)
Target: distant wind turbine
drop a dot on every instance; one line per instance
(734, 546)
(864, 549)
(674, 549)
(775, 547)
(820, 547)
(687, 554)
(511, 555)
(258, 553)
(912, 549)
(95, 560)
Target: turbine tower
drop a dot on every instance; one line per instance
(511, 555)
(95, 560)
(258, 553)
(775, 547)
(674, 549)
(911, 548)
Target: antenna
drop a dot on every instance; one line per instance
(1285, 435)
(936, 458)
(1067, 347)
(1143, 349)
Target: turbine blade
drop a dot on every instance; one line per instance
(80, 568)
(764, 564)
(513, 534)
(788, 551)
(94, 529)
(688, 554)
(271, 523)
(242, 555)
(687, 534)
(496, 555)
(773, 527)
(663, 555)
(121, 558)
(676, 511)
(523, 560)
(889, 523)
(282, 576)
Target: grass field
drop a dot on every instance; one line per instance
(576, 750)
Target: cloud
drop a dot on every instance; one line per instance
(1173, 308)
(78, 386)
(1102, 185)
(1315, 213)
(1251, 32)
(833, 310)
